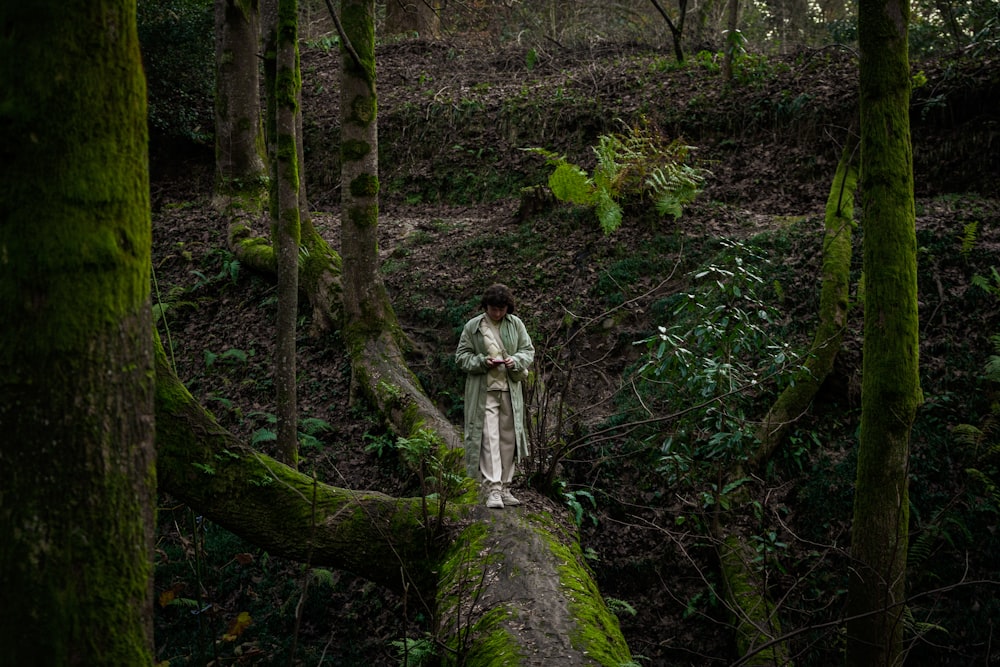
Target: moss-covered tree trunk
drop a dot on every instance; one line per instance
(239, 146)
(372, 333)
(286, 227)
(890, 389)
(77, 478)
(365, 298)
(507, 589)
(754, 614)
(833, 311)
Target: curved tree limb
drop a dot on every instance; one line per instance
(271, 505)
(754, 614)
(833, 310)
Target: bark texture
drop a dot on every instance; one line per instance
(373, 335)
(77, 465)
(239, 147)
(286, 228)
(515, 590)
(890, 389)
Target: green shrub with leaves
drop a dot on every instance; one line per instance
(638, 165)
(722, 351)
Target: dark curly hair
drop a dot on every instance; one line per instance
(498, 295)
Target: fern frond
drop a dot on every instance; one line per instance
(570, 183)
(608, 212)
(969, 232)
(552, 159)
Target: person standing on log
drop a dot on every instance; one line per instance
(495, 351)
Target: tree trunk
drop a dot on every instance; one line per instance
(360, 308)
(406, 17)
(746, 590)
(239, 162)
(77, 464)
(833, 310)
(286, 227)
(371, 331)
(732, 25)
(890, 389)
(676, 30)
(509, 585)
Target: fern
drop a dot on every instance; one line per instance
(969, 232)
(638, 165)
(570, 183)
(609, 213)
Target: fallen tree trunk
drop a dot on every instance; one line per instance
(510, 584)
(515, 590)
(745, 590)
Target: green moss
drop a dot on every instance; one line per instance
(353, 150)
(598, 634)
(755, 621)
(492, 643)
(365, 185)
(363, 109)
(496, 645)
(358, 20)
(363, 216)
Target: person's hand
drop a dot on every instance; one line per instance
(509, 363)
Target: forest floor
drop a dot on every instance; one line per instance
(586, 306)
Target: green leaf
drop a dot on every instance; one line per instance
(569, 183)
(608, 212)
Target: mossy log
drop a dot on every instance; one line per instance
(511, 589)
(754, 615)
(270, 504)
(516, 590)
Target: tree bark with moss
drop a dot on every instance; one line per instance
(833, 310)
(285, 227)
(754, 614)
(502, 588)
(77, 476)
(239, 145)
(373, 336)
(890, 386)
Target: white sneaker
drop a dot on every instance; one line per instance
(508, 498)
(494, 501)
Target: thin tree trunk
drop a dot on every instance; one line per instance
(833, 310)
(239, 143)
(676, 30)
(890, 389)
(286, 227)
(732, 25)
(77, 464)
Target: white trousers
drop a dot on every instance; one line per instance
(496, 453)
